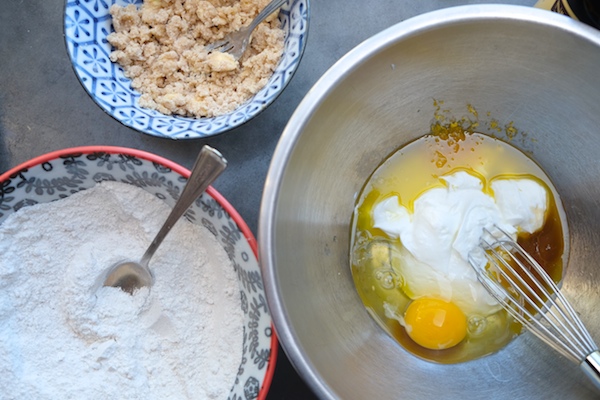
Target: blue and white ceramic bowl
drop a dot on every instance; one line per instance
(61, 173)
(87, 23)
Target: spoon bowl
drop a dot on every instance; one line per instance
(131, 275)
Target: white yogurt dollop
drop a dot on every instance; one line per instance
(445, 228)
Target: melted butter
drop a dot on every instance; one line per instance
(417, 167)
(407, 173)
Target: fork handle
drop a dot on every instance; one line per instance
(268, 10)
(591, 367)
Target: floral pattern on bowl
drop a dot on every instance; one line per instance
(58, 175)
(88, 22)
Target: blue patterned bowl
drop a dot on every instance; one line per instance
(61, 173)
(88, 22)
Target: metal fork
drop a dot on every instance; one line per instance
(236, 42)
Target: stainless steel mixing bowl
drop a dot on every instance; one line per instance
(534, 74)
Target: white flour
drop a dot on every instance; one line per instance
(62, 337)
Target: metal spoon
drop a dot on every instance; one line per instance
(131, 275)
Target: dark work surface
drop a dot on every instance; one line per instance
(43, 107)
(287, 384)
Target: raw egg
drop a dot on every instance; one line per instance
(435, 324)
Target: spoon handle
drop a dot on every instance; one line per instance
(208, 166)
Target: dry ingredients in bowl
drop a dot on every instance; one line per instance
(161, 49)
(64, 336)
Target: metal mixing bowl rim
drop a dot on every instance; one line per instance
(316, 95)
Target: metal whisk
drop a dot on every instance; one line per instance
(527, 292)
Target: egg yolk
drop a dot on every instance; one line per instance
(435, 324)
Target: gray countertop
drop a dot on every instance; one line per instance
(43, 107)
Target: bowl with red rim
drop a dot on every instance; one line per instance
(59, 174)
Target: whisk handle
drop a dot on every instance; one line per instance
(591, 367)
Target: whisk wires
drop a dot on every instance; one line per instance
(518, 282)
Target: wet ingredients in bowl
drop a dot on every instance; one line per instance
(65, 336)
(417, 221)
